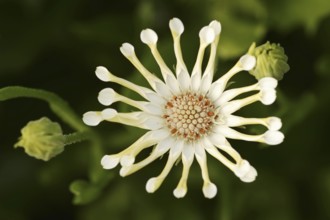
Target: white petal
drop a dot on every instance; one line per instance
(200, 152)
(216, 90)
(267, 83)
(152, 185)
(163, 90)
(267, 96)
(196, 82)
(180, 192)
(184, 80)
(109, 161)
(127, 160)
(206, 142)
(233, 134)
(232, 120)
(217, 139)
(247, 62)
(250, 176)
(206, 82)
(216, 26)
(176, 26)
(188, 152)
(242, 168)
(273, 137)
(274, 123)
(172, 83)
(107, 96)
(149, 36)
(176, 149)
(155, 98)
(230, 107)
(108, 113)
(230, 94)
(207, 35)
(159, 134)
(154, 123)
(127, 49)
(154, 109)
(92, 118)
(124, 171)
(102, 73)
(165, 145)
(210, 190)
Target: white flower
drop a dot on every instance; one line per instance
(186, 115)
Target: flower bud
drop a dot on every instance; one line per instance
(271, 61)
(42, 139)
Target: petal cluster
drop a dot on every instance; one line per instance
(186, 114)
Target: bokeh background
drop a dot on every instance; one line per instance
(56, 44)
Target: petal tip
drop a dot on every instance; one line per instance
(151, 185)
(102, 73)
(207, 35)
(106, 96)
(180, 192)
(247, 62)
(273, 137)
(176, 26)
(127, 49)
(210, 190)
(109, 161)
(92, 118)
(149, 36)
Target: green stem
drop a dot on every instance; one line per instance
(77, 137)
(96, 174)
(56, 103)
(226, 203)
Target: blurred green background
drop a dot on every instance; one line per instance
(56, 44)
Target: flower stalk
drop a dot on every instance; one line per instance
(60, 107)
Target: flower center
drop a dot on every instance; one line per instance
(189, 115)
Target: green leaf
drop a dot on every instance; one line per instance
(84, 192)
(285, 15)
(294, 112)
(322, 66)
(242, 21)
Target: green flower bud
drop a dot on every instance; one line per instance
(42, 139)
(271, 61)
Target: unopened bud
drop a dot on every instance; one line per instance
(42, 139)
(271, 61)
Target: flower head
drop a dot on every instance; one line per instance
(186, 115)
